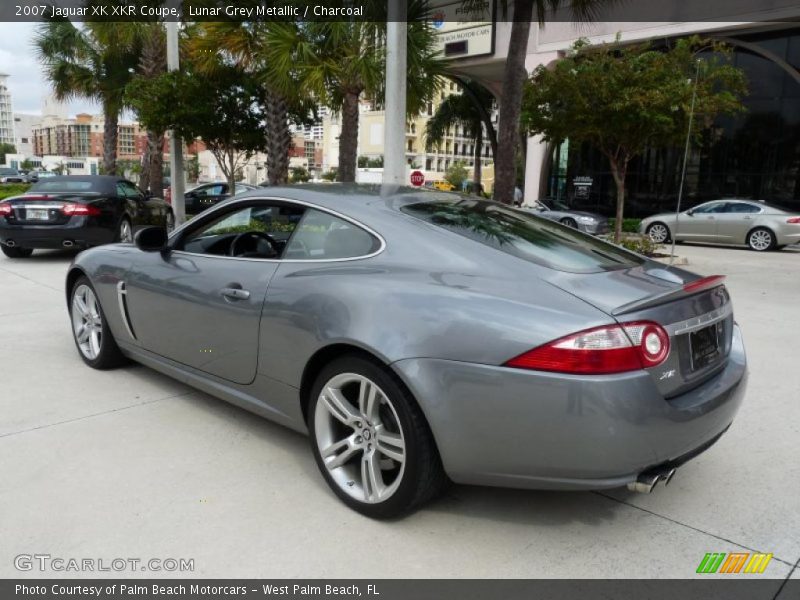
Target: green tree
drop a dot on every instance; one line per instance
(152, 62)
(515, 75)
(222, 107)
(94, 61)
(457, 174)
(623, 99)
(331, 174)
(466, 110)
(6, 149)
(300, 175)
(27, 165)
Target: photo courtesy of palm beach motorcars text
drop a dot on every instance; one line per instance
(399, 299)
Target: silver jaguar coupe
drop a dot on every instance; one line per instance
(424, 337)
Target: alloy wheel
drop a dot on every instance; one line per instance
(760, 239)
(658, 233)
(359, 438)
(87, 324)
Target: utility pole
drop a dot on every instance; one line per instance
(177, 174)
(394, 162)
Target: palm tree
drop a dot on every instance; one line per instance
(152, 62)
(251, 46)
(342, 62)
(466, 110)
(514, 77)
(95, 61)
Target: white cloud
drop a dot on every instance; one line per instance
(26, 81)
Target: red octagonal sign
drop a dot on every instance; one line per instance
(417, 178)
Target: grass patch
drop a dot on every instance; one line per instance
(13, 189)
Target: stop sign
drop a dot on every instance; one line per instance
(417, 178)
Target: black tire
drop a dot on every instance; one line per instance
(423, 477)
(761, 239)
(118, 237)
(109, 355)
(569, 222)
(16, 251)
(655, 226)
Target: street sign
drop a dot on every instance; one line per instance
(417, 178)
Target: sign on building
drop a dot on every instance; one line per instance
(464, 30)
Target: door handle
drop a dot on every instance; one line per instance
(235, 293)
(748, 218)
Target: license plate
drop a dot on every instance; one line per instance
(704, 345)
(37, 214)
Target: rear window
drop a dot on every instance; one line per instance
(524, 235)
(62, 186)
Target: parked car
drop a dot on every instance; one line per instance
(206, 195)
(11, 176)
(439, 184)
(423, 337)
(554, 210)
(77, 211)
(730, 221)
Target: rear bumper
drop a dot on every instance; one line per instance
(786, 238)
(594, 228)
(514, 428)
(43, 236)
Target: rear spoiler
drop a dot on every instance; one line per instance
(688, 289)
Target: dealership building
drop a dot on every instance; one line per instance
(753, 155)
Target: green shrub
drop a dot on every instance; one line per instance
(628, 225)
(12, 189)
(641, 244)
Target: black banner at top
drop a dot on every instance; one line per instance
(466, 11)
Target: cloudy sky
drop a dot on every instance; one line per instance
(27, 85)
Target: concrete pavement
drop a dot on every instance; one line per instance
(131, 464)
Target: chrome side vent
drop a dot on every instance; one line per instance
(122, 298)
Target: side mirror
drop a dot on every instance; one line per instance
(151, 239)
(690, 212)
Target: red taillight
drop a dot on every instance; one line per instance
(5, 209)
(86, 210)
(793, 220)
(704, 283)
(600, 351)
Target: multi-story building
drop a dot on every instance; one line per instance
(83, 136)
(6, 113)
(24, 124)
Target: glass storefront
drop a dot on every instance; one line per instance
(754, 155)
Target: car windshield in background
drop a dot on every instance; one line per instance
(524, 235)
(62, 186)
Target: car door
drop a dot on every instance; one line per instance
(700, 223)
(200, 306)
(209, 195)
(139, 209)
(736, 221)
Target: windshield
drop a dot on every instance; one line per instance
(524, 235)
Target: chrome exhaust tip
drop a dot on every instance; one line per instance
(646, 481)
(11, 243)
(68, 243)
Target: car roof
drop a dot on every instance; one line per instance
(105, 184)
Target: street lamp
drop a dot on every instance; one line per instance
(177, 174)
(394, 165)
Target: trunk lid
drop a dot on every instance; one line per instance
(43, 209)
(695, 311)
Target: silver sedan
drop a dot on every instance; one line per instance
(422, 337)
(591, 223)
(760, 226)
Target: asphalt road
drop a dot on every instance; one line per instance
(130, 464)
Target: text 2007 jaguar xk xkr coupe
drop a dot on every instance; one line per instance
(420, 337)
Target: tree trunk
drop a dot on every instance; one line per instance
(110, 123)
(279, 138)
(155, 165)
(348, 138)
(618, 171)
(476, 171)
(144, 178)
(505, 165)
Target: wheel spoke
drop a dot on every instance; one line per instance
(339, 453)
(83, 333)
(391, 445)
(339, 406)
(94, 343)
(371, 478)
(368, 401)
(80, 305)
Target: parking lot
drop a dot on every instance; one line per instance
(129, 463)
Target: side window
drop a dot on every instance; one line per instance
(127, 189)
(255, 231)
(742, 208)
(211, 190)
(321, 235)
(714, 207)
